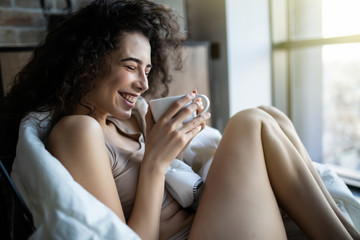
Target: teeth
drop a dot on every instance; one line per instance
(130, 98)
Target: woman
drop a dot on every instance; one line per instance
(89, 73)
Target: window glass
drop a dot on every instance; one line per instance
(340, 17)
(311, 19)
(341, 105)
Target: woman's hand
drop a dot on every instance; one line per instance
(167, 138)
(201, 127)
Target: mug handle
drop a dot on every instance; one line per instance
(206, 103)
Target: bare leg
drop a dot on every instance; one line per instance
(238, 202)
(255, 166)
(288, 128)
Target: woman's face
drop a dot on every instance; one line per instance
(116, 93)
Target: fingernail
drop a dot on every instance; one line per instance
(199, 103)
(192, 95)
(207, 115)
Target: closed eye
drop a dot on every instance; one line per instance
(130, 67)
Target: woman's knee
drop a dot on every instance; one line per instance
(251, 121)
(280, 117)
(249, 118)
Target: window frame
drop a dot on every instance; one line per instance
(286, 45)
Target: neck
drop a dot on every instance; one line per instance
(100, 117)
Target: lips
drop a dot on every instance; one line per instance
(130, 98)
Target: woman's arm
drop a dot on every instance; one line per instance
(78, 142)
(164, 141)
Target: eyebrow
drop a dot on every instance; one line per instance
(134, 60)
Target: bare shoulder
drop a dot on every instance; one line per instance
(74, 136)
(78, 143)
(72, 126)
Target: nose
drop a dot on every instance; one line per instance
(142, 84)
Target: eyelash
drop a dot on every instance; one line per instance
(133, 69)
(130, 67)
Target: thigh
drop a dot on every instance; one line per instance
(238, 201)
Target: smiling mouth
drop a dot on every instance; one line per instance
(128, 97)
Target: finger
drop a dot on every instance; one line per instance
(199, 101)
(184, 113)
(196, 122)
(201, 105)
(192, 133)
(176, 106)
(202, 126)
(149, 120)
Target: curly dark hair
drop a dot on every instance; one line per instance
(64, 67)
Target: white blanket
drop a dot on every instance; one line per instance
(62, 209)
(343, 197)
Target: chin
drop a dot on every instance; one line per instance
(123, 115)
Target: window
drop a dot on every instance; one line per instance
(316, 77)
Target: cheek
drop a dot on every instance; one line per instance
(122, 79)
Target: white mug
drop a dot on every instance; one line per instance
(160, 105)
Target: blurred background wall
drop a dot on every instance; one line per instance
(234, 69)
